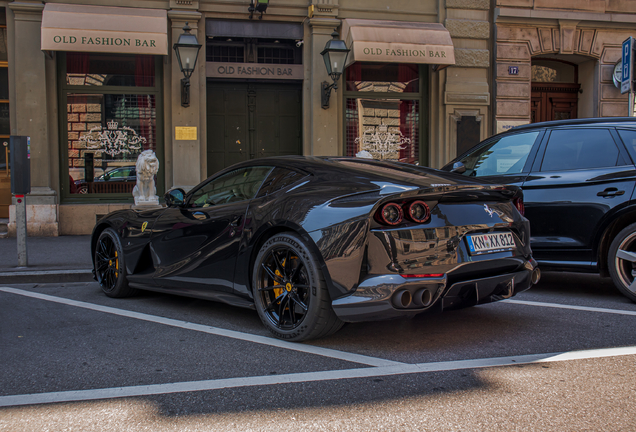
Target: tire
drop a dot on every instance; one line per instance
(110, 268)
(621, 261)
(82, 189)
(290, 292)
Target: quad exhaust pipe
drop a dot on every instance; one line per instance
(536, 276)
(402, 299)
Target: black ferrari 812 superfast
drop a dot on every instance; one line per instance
(313, 242)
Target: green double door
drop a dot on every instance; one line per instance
(252, 120)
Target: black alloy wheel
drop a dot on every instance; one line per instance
(109, 265)
(621, 261)
(290, 292)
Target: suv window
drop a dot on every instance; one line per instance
(570, 149)
(237, 185)
(507, 155)
(629, 138)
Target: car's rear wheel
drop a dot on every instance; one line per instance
(290, 292)
(110, 268)
(621, 261)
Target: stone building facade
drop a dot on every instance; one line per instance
(256, 90)
(556, 60)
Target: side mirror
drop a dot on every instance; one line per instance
(458, 168)
(174, 197)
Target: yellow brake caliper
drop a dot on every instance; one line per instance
(278, 291)
(116, 264)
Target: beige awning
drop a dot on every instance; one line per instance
(104, 29)
(397, 42)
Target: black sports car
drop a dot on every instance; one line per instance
(312, 242)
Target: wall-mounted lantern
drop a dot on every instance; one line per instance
(335, 57)
(187, 50)
(260, 6)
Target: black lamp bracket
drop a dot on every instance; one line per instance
(326, 92)
(185, 92)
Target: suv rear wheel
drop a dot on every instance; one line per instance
(621, 261)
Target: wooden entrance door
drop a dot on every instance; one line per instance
(554, 101)
(252, 120)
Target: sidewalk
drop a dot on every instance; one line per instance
(50, 259)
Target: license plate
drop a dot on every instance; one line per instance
(482, 243)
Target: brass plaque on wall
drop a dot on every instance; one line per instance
(185, 133)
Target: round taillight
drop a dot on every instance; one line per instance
(518, 202)
(418, 211)
(390, 214)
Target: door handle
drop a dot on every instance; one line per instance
(199, 215)
(610, 192)
(236, 222)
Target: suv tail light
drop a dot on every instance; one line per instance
(518, 202)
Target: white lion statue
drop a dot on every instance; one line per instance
(147, 168)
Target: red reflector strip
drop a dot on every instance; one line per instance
(432, 275)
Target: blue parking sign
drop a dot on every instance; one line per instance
(626, 82)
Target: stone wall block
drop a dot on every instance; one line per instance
(607, 70)
(613, 109)
(78, 126)
(531, 35)
(585, 44)
(545, 37)
(78, 108)
(468, 4)
(90, 126)
(620, 6)
(94, 108)
(78, 162)
(381, 112)
(79, 144)
(568, 42)
(514, 90)
(472, 57)
(611, 55)
(73, 136)
(393, 113)
(513, 108)
(609, 37)
(391, 121)
(515, 3)
(513, 51)
(72, 117)
(468, 29)
(556, 39)
(73, 153)
(371, 121)
(368, 112)
(573, 5)
(609, 91)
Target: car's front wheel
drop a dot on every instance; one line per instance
(621, 261)
(110, 268)
(290, 292)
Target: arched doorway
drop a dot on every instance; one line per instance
(555, 89)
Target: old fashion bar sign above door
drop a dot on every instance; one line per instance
(403, 53)
(254, 70)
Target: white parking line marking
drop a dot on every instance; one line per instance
(157, 389)
(579, 308)
(309, 349)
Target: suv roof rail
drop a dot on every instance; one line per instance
(576, 122)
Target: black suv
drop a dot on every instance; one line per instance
(578, 180)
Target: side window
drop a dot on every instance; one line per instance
(571, 149)
(278, 179)
(629, 138)
(237, 185)
(507, 155)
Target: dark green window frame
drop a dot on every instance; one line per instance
(421, 97)
(64, 90)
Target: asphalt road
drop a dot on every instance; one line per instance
(560, 357)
